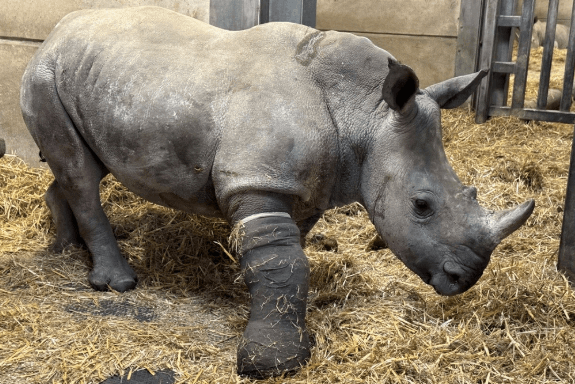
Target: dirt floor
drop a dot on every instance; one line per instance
(370, 318)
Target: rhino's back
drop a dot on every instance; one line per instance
(157, 95)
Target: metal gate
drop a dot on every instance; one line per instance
(236, 15)
(499, 25)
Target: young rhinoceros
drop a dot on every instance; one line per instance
(561, 39)
(266, 127)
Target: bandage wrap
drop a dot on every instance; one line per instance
(277, 275)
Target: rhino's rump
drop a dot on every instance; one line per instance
(183, 113)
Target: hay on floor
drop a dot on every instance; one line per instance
(371, 319)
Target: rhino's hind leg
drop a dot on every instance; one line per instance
(277, 274)
(78, 172)
(66, 227)
(79, 185)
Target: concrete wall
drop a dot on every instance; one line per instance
(420, 33)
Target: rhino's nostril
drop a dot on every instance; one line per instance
(453, 271)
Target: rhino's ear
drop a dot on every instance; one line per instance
(453, 92)
(400, 86)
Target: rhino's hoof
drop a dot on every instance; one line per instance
(267, 352)
(121, 281)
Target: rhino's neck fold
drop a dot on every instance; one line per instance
(353, 146)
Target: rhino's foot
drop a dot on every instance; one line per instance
(120, 278)
(268, 350)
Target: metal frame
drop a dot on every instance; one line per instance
(236, 15)
(470, 17)
(496, 50)
(566, 259)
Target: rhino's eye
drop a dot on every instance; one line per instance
(422, 208)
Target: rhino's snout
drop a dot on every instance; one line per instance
(457, 274)
(454, 279)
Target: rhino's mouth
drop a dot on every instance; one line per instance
(457, 275)
(444, 286)
(454, 279)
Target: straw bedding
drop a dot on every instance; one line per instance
(371, 319)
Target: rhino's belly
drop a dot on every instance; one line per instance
(188, 193)
(170, 166)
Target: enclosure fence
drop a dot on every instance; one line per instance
(500, 24)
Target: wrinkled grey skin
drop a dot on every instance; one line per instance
(277, 118)
(2, 147)
(538, 35)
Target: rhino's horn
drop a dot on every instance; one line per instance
(400, 86)
(453, 92)
(503, 223)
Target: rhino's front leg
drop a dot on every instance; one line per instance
(277, 275)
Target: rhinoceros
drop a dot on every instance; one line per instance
(267, 128)
(538, 34)
(2, 147)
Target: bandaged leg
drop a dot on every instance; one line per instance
(277, 275)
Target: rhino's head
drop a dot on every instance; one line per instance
(429, 219)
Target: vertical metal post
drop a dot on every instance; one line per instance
(286, 10)
(503, 52)
(522, 63)
(295, 11)
(485, 59)
(309, 13)
(547, 54)
(569, 67)
(566, 261)
(234, 15)
(264, 11)
(468, 37)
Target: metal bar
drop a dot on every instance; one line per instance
(509, 21)
(503, 67)
(547, 54)
(509, 58)
(264, 11)
(467, 37)
(569, 67)
(566, 259)
(480, 27)
(518, 98)
(234, 15)
(286, 10)
(486, 57)
(309, 13)
(503, 52)
(535, 114)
